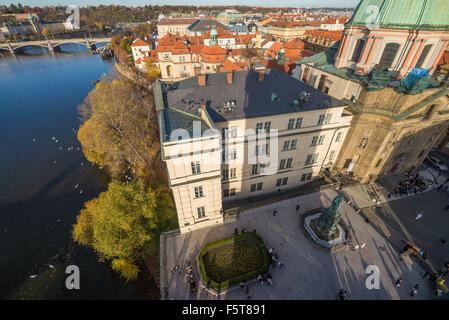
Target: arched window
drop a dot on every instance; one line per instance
(423, 56)
(358, 50)
(390, 52)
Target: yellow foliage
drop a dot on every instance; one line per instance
(127, 269)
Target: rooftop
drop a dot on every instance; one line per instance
(404, 14)
(251, 98)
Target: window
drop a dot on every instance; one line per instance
(291, 123)
(338, 139)
(282, 164)
(259, 127)
(233, 155)
(278, 182)
(232, 192)
(293, 144)
(332, 155)
(312, 158)
(389, 54)
(358, 50)
(289, 162)
(256, 187)
(199, 192)
(267, 126)
(423, 56)
(261, 149)
(225, 174)
(328, 118)
(321, 119)
(224, 133)
(196, 169)
(429, 112)
(258, 169)
(321, 140)
(233, 132)
(225, 193)
(317, 140)
(298, 123)
(378, 163)
(286, 145)
(284, 181)
(232, 173)
(306, 176)
(201, 212)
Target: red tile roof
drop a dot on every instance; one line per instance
(140, 43)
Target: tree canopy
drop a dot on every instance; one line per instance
(124, 223)
(120, 131)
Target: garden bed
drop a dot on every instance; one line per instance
(230, 261)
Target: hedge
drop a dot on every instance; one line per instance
(218, 286)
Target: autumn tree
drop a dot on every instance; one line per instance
(120, 131)
(124, 223)
(252, 55)
(45, 32)
(152, 69)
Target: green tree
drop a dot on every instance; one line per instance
(124, 224)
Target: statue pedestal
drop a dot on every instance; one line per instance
(321, 239)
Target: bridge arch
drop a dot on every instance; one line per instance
(18, 48)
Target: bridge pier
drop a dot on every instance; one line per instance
(11, 50)
(50, 47)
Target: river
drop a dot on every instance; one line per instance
(45, 180)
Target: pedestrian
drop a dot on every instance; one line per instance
(342, 294)
(398, 282)
(281, 264)
(242, 285)
(362, 245)
(247, 290)
(177, 269)
(359, 210)
(274, 212)
(297, 207)
(260, 279)
(172, 270)
(419, 216)
(415, 290)
(270, 251)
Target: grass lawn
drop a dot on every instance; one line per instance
(228, 262)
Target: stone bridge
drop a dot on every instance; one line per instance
(52, 44)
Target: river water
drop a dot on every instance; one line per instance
(45, 180)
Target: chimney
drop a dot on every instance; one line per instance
(261, 75)
(229, 77)
(201, 80)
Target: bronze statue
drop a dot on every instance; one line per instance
(330, 217)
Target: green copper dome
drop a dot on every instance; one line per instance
(402, 14)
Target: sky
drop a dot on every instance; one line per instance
(264, 3)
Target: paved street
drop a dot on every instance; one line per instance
(396, 220)
(310, 272)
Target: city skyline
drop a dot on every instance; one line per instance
(134, 3)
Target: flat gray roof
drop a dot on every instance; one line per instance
(276, 94)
